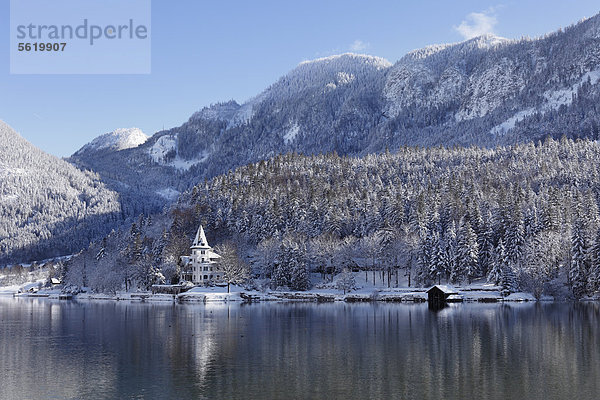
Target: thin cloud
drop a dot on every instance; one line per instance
(359, 45)
(477, 24)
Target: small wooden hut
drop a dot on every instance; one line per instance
(438, 294)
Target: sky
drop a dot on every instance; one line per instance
(203, 52)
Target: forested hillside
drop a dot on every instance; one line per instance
(47, 206)
(524, 216)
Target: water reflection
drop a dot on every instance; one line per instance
(355, 351)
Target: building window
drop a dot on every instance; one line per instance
(202, 252)
(205, 276)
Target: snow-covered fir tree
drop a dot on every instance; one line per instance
(594, 275)
(579, 266)
(509, 280)
(500, 261)
(468, 253)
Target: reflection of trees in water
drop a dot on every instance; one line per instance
(202, 334)
(398, 351)
(111, 349)
(41, 357)
(121, 349)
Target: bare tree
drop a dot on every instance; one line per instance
(234, 270)
(346, 281)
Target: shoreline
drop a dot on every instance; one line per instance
(206, 295)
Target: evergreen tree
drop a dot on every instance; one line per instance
(450, 256)
(509, 280)
(468, 251)
(579, 267)
(436, 265)
(299, 276)
(280, 277)
(594, 275)
(514, 240)
(486, 249)
(499, 263)
(425, 258)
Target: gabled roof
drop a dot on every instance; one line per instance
(447, 289)
(212, 254)
(200, 241)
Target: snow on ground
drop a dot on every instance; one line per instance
(162, 147)
(165, 147)
(511, 122)
(184, 165)
(291, 134)
(23, 287)
(214, 293)
(366, 289)
(520, 296)
(553, 101)
(168, 193)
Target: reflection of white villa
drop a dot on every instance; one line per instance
(202, 265)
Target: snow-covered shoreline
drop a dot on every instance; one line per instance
(366, 288)
(238, 294)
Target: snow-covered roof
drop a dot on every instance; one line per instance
(200, 240)
(447, 289)
(212, 254)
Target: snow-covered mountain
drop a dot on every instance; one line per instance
(119, 139)
(490, 90)
(484, 91)
(308, 110)
(47, 206)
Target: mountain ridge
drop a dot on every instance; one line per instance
(485, 91)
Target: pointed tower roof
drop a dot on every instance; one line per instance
(200, 241)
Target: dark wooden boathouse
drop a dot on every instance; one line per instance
(438, 295)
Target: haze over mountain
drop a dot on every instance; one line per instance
(485, 91)
(47, 206)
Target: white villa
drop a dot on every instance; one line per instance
(202, 265)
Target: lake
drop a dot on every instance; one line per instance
(95, 350)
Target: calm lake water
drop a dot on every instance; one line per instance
(93, 350)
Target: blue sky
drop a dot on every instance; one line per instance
(207, 51)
